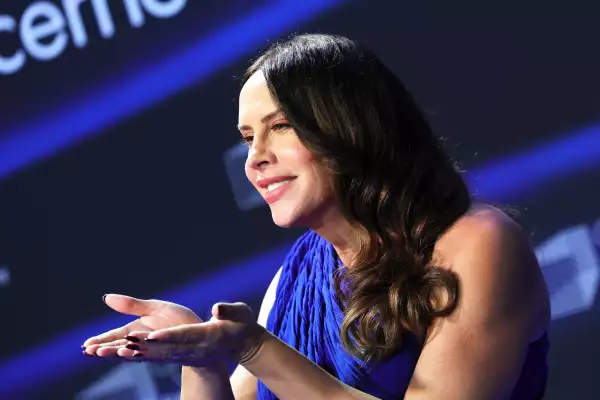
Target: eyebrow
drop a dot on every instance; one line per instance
(263, 120)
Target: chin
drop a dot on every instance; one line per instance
(294, 215)
(288, 216)
(284, 222)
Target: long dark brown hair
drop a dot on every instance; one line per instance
(393, 180)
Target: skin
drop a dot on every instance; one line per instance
(274, 150)
(476, 353)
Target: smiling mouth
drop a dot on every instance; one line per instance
(276, 185)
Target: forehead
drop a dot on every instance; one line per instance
(255, 98)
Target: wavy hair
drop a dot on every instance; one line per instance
(393, 180)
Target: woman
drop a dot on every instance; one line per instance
(401, 287)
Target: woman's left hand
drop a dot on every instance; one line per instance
(231, 335)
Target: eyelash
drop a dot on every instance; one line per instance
(284, 126)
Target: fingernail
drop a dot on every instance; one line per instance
(132, 339)
(83, 347)
(133, 347)
(151, 340)
(85, 353)
(104, 299)
(221, 310)
(138, 355)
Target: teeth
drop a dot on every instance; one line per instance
(274, 186)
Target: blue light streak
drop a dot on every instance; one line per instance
(62, 356)
(112, 102)
(517, 175)
(505, 179)
(128, 95)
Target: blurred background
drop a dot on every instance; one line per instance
(120, 168)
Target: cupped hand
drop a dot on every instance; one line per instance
(154, 315)
(232, 335)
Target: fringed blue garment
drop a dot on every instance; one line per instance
(307, 317)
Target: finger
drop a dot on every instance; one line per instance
(137, 336)
(94, 347)
(107, 337)
(167, 353)
(236, 312)
(130, 347)
(182, 334)
(120, 348)
(111, 350)
(136, 340)
(130, 305)
(156, 351)
(105, 349)
(124, 352)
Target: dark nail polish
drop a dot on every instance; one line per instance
(221, 310)
(132, 339)
(83, 347)
(133, 347)
(151, 340)
(138, 355)
(104, 299)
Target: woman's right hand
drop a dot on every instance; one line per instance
(154, 315)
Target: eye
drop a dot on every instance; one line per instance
(247, 139)
(282, 126)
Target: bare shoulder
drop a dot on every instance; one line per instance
(485, 233)
(481, 224)
(502, 307)
(497, 267)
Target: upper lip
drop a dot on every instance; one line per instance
(265, 182)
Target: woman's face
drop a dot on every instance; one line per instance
(297, 189)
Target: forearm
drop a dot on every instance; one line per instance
(290, 375)
(204, 383)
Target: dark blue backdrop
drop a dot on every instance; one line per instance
(118, 169)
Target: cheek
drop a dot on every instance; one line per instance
(320, 176)
(301, 156)
(324, 182)
(321, 180)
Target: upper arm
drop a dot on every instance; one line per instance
(243, 383)
(478, 351)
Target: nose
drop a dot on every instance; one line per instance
(260, 155)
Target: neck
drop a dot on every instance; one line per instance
(343, 236)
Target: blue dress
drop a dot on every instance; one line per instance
(307, 317)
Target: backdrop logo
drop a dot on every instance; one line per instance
(4, 276)
(571, 268)
(44, 28)
(246, 196)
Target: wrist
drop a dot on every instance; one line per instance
(253, 344)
